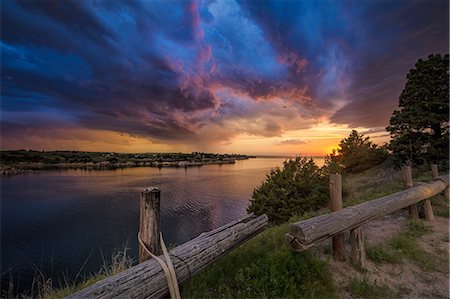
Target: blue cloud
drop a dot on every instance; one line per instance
(155, 68)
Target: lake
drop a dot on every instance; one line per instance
(58, 221)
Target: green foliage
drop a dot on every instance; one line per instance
(264, 267)
(440, 205)
(406, 245)
(365, 289)
(30, 159)
(420, 128)
(381, 254)
(355, 154)
(297, 188)
(418, 228)
(371, 192)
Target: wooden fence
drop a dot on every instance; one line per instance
(147, 279)
(307, 233)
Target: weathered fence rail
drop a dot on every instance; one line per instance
(147, 279)
(307, 233)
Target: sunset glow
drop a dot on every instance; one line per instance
(259, 77)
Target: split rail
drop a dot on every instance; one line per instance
(307, 233)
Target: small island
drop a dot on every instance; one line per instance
(22, 161)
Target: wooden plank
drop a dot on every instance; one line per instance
(408, 183)
(147, 279)
(358, 249)
(336, 205)
(325, 226)
(150, 222)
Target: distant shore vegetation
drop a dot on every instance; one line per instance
(20, 161)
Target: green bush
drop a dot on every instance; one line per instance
(355, 154)
(298, 187)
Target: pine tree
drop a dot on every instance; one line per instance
(420, 128)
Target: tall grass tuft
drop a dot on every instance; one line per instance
(44, 287)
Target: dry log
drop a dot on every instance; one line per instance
(147, 280)
(325, 226)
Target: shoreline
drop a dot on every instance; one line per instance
(25, 161)
(23, 168)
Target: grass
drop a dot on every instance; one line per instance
(264, 267)
(43, 287)
(366, 289)
(370, 184)
(406, 245)
(440, 205)
(382, 254)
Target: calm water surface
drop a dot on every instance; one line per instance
(56, 221)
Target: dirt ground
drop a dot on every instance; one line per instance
(405, 279)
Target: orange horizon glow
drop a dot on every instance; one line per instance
(318, 140)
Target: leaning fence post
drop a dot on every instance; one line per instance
(427, 202)
(358, 250)
(150, 223)
(407, 178)
(336, 204)
(434, 171)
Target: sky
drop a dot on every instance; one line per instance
(253, 77)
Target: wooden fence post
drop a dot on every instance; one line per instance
(336, 204)
(435, 173)
(427, 202)
(434, 170)
(150, 222)
(358, 250)
(407, 178)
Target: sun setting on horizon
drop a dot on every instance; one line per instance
(231, 138)
(221, 78)
(318, 140)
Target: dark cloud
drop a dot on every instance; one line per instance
(193, 71)
(412, 30)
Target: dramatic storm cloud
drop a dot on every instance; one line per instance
(198, 74)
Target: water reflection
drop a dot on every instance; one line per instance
(56, 221)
